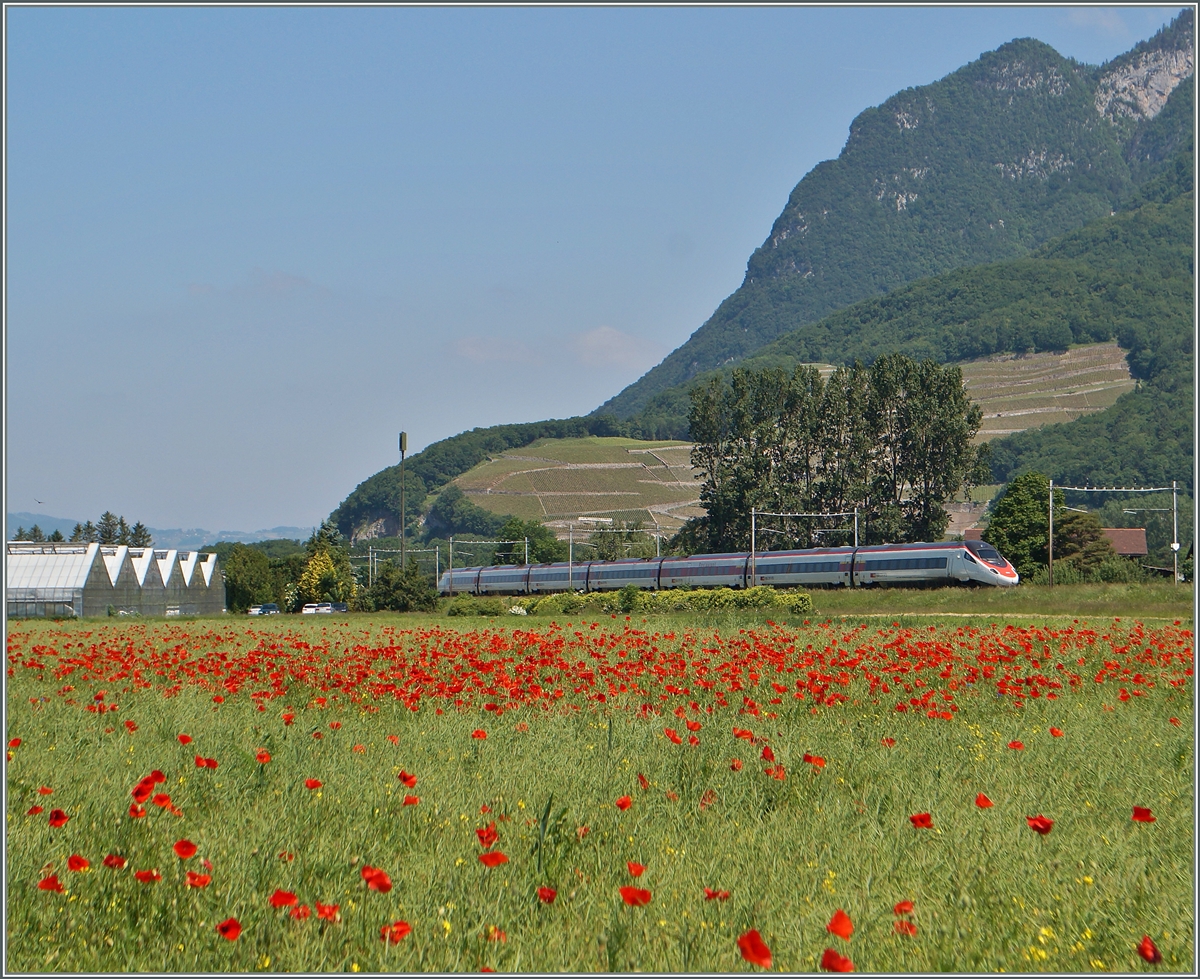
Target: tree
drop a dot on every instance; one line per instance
(544, 546)
(892, 441)
(140, 536)
(122, 531)
(88, 533)
(76, 534)
(108, 528)
(622, 540)
(397, 589)
(36, 534)
(1020, 528)
(21, 534)
(247, 578)
(56, 537)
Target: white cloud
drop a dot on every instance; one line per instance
(1102, 19)
(608, 347)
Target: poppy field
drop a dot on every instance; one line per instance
(599, 794)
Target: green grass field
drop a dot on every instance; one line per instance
(792, 842)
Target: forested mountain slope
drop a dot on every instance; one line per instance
(986, 164)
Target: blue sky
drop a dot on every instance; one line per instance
(246, 246)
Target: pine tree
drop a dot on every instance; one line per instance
(88, 533)
(76, 534)
(140, 536)
(56, 537)
(108, 528)
(36, 534)
(20, 534)
(122, 531)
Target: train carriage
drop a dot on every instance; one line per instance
(612, 575)
(704, 571)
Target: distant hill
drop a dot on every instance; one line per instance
(176, 538)
(986, 164)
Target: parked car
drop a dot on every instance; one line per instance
(309, 609)
(325, 608)
(255, 610)
(270, 608)
(340, 607)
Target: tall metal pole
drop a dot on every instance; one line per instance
(856, 526)
(1175, 534)
(437, 562)
(571, 558)
(1052, 533)
(451, 566)
(403, 449)
(527, 550)
(753, 531)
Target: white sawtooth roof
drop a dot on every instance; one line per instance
(44, 566)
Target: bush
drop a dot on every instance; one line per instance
(631, 599)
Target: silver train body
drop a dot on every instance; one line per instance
(964, 562)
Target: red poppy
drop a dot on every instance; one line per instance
(76, 862)
(142, 791)
(983, 802)
(711, 895)
(218, 699)
(411, 800)
(148, 876)
(754, 950)
(693, 740)
(15, 743)
(45, 791)
(395, 933)
(410, 781)
(769, 755)
(229, 929)
(50, 884)
(210, 763)
(487, 835)
(672, 796)
(335, 725)
(840, 925)
(377, 880)
(136, 811)
(1149, 951)
(288, 719)
(643, 781)
(318, 735)
(197, 880)
(262, 757)
(1173, 720)
(1039, 824)
(115, 862)
(282, 899)
(312, 783)
(207, 864)
(478, 735)
(736, 764)
(636, 869)
(157, 777)
(904, 907)
(35, 811)
(393, 738)
(1141, 815)
(301, 912)
(673, 735)
(888, 742)
(832, 962)
(922, 820)
(581, 832)
(185, 849)
(1056, 731)
(492, 858)
(162, 799)
(58, 818)
(199, 761)
(635, 897)
(905, 927)
(693, 725)
(130, 726)
(185, 739)
(361, 749)
(624, 803)
(286, 856)
(547, 894)
(815, 760)
(328, 912)
(494, 934)
(484, 809)
(1016, 746)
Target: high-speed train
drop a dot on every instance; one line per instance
(965, 562)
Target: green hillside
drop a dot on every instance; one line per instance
(988, 163)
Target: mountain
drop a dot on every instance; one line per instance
(174, 538)
(988, 163)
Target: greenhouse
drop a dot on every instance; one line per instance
(65, 580)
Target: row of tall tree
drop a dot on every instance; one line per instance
(893, 440)
(109, 529)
